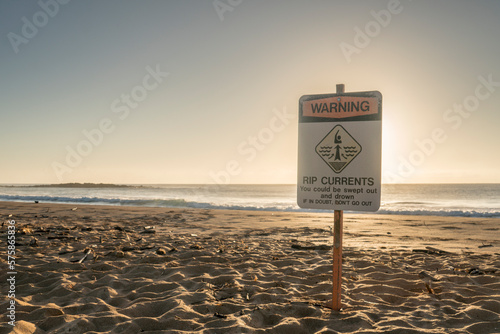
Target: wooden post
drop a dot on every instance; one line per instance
(337, 259)
(340, 88)
(338, 221)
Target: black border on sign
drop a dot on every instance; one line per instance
(371, 117)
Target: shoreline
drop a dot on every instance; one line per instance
(91, 268)
(381, 211)
(390, 230)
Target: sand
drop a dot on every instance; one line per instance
(91, 269)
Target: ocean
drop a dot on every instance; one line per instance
(461, 200)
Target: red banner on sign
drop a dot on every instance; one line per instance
(340, 107)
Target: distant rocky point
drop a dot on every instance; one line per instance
(85, 185)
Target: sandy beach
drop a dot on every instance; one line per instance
(91, 269)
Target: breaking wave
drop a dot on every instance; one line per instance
(288, 206)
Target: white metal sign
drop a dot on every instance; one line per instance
(340, 144)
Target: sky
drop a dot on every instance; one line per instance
(207, 91)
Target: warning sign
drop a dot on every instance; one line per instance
(338, 148)
(340, 137)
